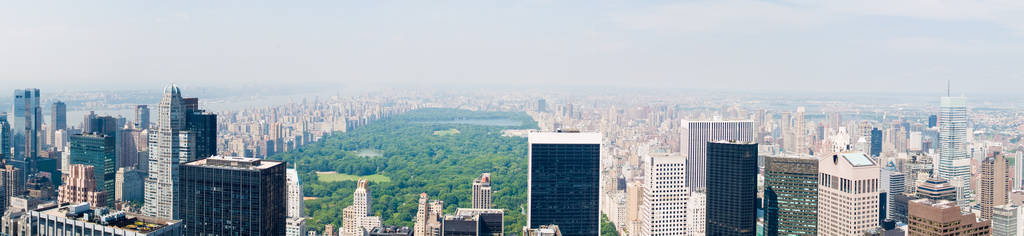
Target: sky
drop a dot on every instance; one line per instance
(787, 45)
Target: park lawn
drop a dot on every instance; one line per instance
(338, 177)
(451, 131)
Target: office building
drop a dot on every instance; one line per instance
(80, 219)
(389, 230)
(295, 227)
(543, 230)
(932, 121)
(928, 217)
(107, 125)
(58, 120)
(294, 194)
(791, 195)
(474, 222)
(995, 183)
(696, 213)
(848, 179)
(664, 194)
(13, 184)
(27, 125)
(1018, 171)
(429, 217)
(892, 183)
(210, 204)
(128, 185)
(563, 181)
(696, 135)
(169, 146)
(937, 189)
(5, 138)
(356, 218)
(482, 191)
(876, 142)
(80, 186)
(731, 188)
(203, 127)
(98, 151)
(953, 160)
(1005, 220)
(142, 116)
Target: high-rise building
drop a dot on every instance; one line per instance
(937, 189)
(876, 142)
(847, 180)
(5, 138)
(953, 160)
(731, 188)
(356, 219)
(80, 186)
(928, 217)
(932, 121)
(664, 194)
(1018, 171)
(28, 120)
(169, 146)
(429, 217)
(13, 184)
(128, 185)
(107, 125)
(696, 135)
(58, 120)
(142, 116)
(791, 195)
(482, 191)
(294, 194)
(98, 151)
(1005, 220)
(474, 222)
(563, 181)
(892, 183)
(210, 202)
(696, 213)
(203, 127)
(995, 183)
(295, 227)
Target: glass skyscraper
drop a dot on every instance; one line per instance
(791, 196)
(731, 188)
(25, 126)
(563, 182)
(953, 161)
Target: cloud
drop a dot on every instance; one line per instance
(728, 15)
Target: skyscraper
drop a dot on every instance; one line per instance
(5, 138)
(953, 160)
(1005, 220)
(563, 181)
(731, 188)
(482, 191)
(664, 195)
(1018, 171)
(58, 120)
(356, 218)
(169, 146)
(429, 217)
(80, 186)
(937, 189)
(202, 126)
(142, 117)
(929, 217)
(845, 180)
(474, 222)
(791, 195)
(233, 196)
(995, 183)
(28, 120)
(13, 184)
(98, 151)
(932, 120)
(294, 194)
(892, 183)
(696, 135)
(876, 142)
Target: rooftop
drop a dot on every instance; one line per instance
(565, 138)
(235, 162)
(858, 159)
(104, 216)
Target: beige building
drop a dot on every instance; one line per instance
(847, 194)
(356, 219)
(429, 217)
(995, 183)
(942, 217)
(80, 186)
(482, 191)
(664, 196)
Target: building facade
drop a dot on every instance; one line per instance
(1005, 220)
(995, 183)
(97, 150)
(731, 188)
(893, 183)
(847, 194)
(482, 191)
(953, 160)
(80, 186)
(696, 135)
(169, 146)
(563, 181)
(928, 217)
(429, 217)
(357, 220)
(791, 195)
(663, 206)
(210, 202)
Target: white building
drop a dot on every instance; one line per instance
(696, 135)
(663, 207)
(356, 219)
(893, 182)
(294, 194)
(482, 191)
(847, 194)
(1004, 220)
(695, 213)
(295, 226)
(953, 142)
(169, 146)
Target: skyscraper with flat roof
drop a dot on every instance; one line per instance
(664, 194)
(696, 135)
(563, 181)
(233, 196)
(847, 180)
(731, 188)
(791, 195)
(97, 150)
(892, 183)
(995, 183)
(5, 138)
(58, 120)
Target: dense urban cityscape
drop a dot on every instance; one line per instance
(643, 165)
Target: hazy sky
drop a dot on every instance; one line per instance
(801, 45)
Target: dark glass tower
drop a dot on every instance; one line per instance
(28, 120)
(203, 127)
(876, 142)
(232, 196)
(731, 188)
(58, 119)
(97, 150)
(933, 120)
(5, 137)
(791, 196)
(563, 181)
(142, 117)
